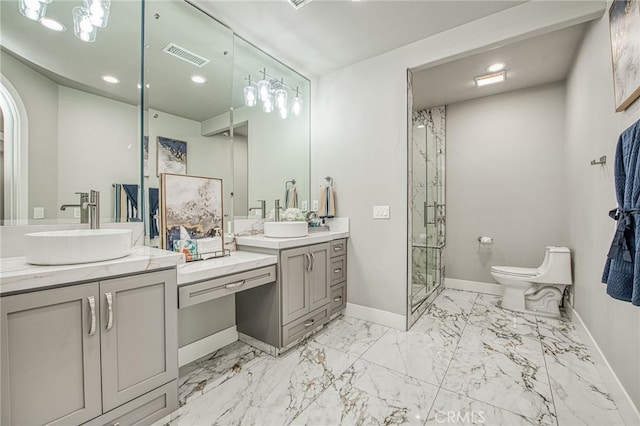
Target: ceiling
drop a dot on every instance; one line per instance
(543, 59)
(326, 35)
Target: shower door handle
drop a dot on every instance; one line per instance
(424, 214)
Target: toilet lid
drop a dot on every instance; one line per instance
(515, 271)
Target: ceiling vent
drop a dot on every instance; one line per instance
(297, 4)
(185, 55)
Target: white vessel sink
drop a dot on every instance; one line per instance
(285, 229)
(77, 246)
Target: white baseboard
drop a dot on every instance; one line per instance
(628, 411)
(477, 286)
(376, 316)
(202, 347)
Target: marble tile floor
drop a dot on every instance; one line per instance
(466, 361)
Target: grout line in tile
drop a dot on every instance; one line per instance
(544, 359)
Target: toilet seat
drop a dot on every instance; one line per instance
(515, 271)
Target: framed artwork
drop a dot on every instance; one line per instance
(172, 156)
(190, 204)
(145, 155)
(624, 27)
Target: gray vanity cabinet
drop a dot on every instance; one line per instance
(50, 357)
(70, 354)
(305, 280)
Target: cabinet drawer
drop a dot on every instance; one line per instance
(295, 330)
(144, 410)
(338, 269)
(338, 298)
(203, 291)
(338, 247)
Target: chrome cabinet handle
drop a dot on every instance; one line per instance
(109, 298)
(309, 323)
(337, 248)
(233, 285)
(337, 271)
(308, 261)
(337, 298)
(313, 260)
(92, 306)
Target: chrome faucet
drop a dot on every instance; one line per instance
(263, 208)
(93, 207)
(84, 200)
(277, 211)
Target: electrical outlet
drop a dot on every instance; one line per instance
(38, 212)
(381, 212)
(314, 205)
(303, 205)
(76, 212)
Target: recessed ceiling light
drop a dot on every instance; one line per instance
(198, 79)
(110, 79)
(498, 66)
(485, 80)
(52, 24)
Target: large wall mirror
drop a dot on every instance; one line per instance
(84, 133)
(65, 128)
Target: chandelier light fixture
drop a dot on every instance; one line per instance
(98, 12)
(273, 94)
(33, 9)
(88, 18)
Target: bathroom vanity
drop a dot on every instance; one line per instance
(90, 343)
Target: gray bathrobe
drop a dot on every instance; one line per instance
(622, 270)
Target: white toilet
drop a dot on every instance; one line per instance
(536, 291)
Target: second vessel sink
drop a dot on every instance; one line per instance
(77, 246)
(285, 229)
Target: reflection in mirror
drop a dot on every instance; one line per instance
(188, 66)
(277, 148)
(75, 131)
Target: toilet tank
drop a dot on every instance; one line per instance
(556, 267)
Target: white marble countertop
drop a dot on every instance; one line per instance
(283, 243)
(238, 261)
(16, 275)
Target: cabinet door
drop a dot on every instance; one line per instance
(50, 356)
(319, 278)
(139, 335)
(295, 284)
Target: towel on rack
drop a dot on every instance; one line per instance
(326, 202)
(126, 202)
(622, 269)
(153, 213)
(291, 198)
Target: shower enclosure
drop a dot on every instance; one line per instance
(426, 209)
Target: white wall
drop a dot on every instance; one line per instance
(505, 179)
(592, 130)
(359, 136)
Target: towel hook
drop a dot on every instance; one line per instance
(602, 160)
(330, 180)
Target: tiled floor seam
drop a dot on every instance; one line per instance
(544, 358)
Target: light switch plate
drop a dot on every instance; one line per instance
(38, 212)
(303, 205)
(76, 212)
(314, 205)
(381, 212)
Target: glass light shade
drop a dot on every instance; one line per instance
(45, 1)
(82, 27)
(250, 96)
(33, 9)
(267, 105)
(264, 90)
(296, 105)
(283, 112)
(98, 12)
(281, 98)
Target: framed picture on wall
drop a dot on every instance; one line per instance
(624, 27)
(172, 156)
(190, 204)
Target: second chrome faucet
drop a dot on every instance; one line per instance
(89, 208)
